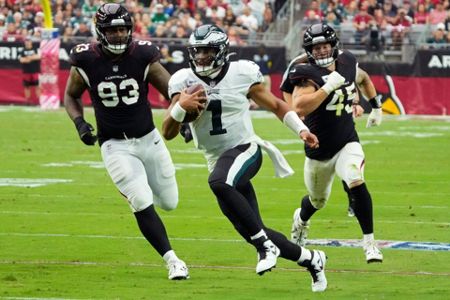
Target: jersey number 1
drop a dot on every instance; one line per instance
(215, 107)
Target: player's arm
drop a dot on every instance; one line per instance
(308, 96)
(73, 104)
(181, 104)
(159, 77)
(281, 109)
(367, 87)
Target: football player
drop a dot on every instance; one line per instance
(367, 88)
(116, 72)
(324, 94)
(224, 132)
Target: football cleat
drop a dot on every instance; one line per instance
(373, 254)
(316, 267)
(267, 257)
(177, 270)
(299, 230)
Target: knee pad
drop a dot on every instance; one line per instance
(318, 203)
(168, 200)
(139, 196)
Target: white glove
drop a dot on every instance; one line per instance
(334, 81)
(375, 117)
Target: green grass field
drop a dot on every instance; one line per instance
(75, 238)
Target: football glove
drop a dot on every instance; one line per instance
(375, 117)
(85, 131)
(334, 81)
(185, 131)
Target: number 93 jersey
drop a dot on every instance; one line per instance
(226, 121)
(118, 88)
(332, 122)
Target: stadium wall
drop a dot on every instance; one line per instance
(418, 88)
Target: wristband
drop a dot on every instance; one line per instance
(293, 122)
(178, 113)
(375, 102)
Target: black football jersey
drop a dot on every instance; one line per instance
(118, 88)
(32, 67)
(332, 122)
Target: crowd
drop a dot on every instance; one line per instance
(376, 21)
(173, 19)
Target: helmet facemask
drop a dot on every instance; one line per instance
(207, 60)
(208, 50)
(113, 16)
(321, 34)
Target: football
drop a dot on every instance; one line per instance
(192, 116)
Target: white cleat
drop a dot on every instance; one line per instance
(267, 257)
(177, 270)
(299, 229)
(316, 267)
(373, 254)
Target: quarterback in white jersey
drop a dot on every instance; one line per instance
(227, 104)
(224, 131)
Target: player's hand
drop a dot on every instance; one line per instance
(334, 81)
(357, 110)
(194, 102)
(375, 117)
(310, 139)
(85, 131)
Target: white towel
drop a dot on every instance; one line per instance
(280, 164)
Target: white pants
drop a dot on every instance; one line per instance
(348, 164)
(142, 170)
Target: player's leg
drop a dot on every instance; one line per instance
(27, 87)
(350, 208)
(129, 175)
(318, 176)
(350, 168)
(240, 164)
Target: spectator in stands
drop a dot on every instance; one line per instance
(401, 27)
(438, 36)
(89, 8)
(311, 18)
(375, 42)
(159, 16)
(215, 12)
(30, 61)
(389, 11)
(229, 18)
(438, 14)
(409, 9)
(447, 22)
(361, 23)
(12, 33)
(331, 19)
(350, 11)
(83, 31)
(421, 16)
(234, 37)
(314, 6)
(268, 17)
(2, 25)
(182, 8)
(248, 19)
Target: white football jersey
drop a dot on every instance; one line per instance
(226, 121)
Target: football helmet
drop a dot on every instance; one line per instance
(113, 15)
(319, 34)
(208, 50)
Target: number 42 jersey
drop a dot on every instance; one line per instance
(118, 88)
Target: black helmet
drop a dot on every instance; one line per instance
(113, 15)
(208, 36)
(319, 34)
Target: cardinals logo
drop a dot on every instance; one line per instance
(391, 103)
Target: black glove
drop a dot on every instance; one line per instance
(185, 131)
(85, 131)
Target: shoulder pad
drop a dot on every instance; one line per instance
(250, 70)
(145, 51)
(302, 72)
(82, 54)
(179, 81)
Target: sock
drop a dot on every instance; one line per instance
(363, 208)
(307, 209)
(288, 250)
(170, 256)
(368, 238)
(304, 255)
(153, 229)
